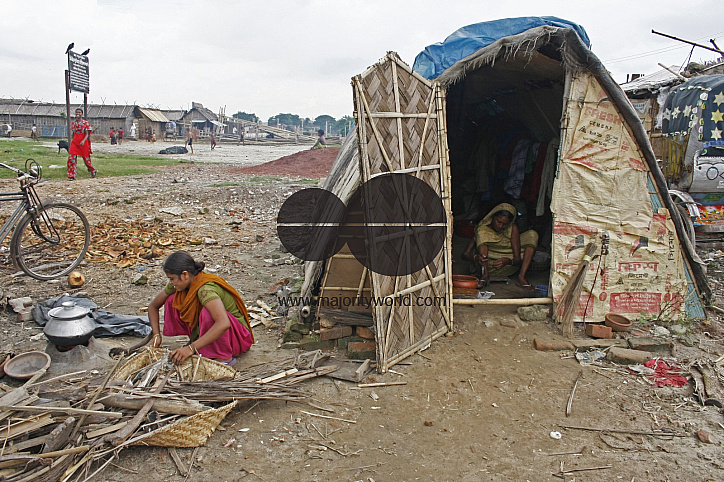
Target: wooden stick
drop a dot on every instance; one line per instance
(118, 438)
(191, 465)
(380, 384)
(283, 374)
(59, 377)
(614, 430)
(511, 301)
(328, 417)
(177, 460)
(319, 407)
(570, 471)
(570, 398)
(176, 407)
(97, 394)
(19, 459)
(105, 430)
(66, 410)
(20, 446)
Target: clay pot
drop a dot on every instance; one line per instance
(464, 281)
(618, 322)
(76, 279)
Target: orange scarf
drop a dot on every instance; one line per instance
(187, 301)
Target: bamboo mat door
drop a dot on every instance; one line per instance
(405, 197)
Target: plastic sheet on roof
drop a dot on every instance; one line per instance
(436, 58)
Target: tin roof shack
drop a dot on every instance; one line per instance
(50, 118)
(647, 95)
(151, 122)
(103, 117)
(453, 122)
(201, 118)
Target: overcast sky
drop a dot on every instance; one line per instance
(268, 57)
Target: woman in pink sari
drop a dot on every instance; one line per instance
(203, 307)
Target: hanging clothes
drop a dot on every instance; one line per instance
(516, 173)
(547, 177)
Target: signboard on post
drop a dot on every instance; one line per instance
(78, 72)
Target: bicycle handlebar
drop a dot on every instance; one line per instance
(30, 173)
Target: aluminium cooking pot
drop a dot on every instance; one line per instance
(69, 325)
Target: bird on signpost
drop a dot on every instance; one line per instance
(70, 46)
(86, 52)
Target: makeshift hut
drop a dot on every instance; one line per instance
(519, 111)
(150, 122)
(201, 118)
(51, 121)
(647, 95)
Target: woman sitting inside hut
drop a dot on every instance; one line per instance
(203, 307)
(502, 249)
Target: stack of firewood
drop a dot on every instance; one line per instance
(73, 426)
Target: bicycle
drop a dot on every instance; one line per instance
(50, 238)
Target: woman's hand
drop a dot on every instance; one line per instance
(180, 355)
(499, 263)
(82, 142)
(156, 340)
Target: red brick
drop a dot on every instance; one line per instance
(552, 345)
(364, 332)
(339, 331)
(360, 346)
(599, 331)
(26, 314)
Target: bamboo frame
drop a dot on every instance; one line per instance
(367, 119)
(507, 301)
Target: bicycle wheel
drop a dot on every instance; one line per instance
(52, 242)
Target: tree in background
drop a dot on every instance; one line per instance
(246, 117)
(288, 120)
(343, 125)
(325, 122)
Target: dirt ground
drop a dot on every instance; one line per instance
(479, 404)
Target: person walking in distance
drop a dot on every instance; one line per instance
(80, 145)
(189, 140)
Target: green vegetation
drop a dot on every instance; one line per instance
(332, 126)
(246, 117)
(15, 152)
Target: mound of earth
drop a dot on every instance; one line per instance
(312, 163)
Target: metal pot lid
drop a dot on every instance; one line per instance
(68, 311)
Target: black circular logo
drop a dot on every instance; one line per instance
(400, 232)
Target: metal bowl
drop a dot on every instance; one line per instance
(26, 365)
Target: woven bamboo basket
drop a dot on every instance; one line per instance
(194, 369)
(194, 430)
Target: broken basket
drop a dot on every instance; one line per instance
(194, 430)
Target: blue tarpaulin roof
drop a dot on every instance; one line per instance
(436, 58)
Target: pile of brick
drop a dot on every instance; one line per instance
(349, 332)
